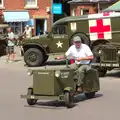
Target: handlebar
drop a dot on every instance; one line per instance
(67, 61)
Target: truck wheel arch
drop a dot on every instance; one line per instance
(26, 47)
(84, 37)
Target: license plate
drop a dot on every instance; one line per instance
(105, 64)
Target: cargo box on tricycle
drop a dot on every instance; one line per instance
(58, 83)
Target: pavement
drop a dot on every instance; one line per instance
(17, 64)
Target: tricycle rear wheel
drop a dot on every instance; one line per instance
(31, 101)
(90, 95)
(68, 100)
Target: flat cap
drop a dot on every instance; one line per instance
(77, 39)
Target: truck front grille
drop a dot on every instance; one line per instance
(109, 55)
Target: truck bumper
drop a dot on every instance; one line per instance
(37, 97)
(115, 65)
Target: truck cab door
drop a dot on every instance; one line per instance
(60, 39)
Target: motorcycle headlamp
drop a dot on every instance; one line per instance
(118, 51)
(30, 72)
(100, 51)
(57, 73)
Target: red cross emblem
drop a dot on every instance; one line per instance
(100, 29)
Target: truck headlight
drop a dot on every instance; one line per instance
(118, 51)
(100, 51)
(57, 73)
(30, 72)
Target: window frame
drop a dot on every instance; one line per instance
(16, 27)
(65, 32)
(2, 3)
(30, 5)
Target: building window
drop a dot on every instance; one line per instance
(74, 12)
(84, 11)
(1, 3)
(31, 3)
(17, 27)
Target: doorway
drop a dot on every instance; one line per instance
(41, 26)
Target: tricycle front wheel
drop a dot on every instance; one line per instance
(90, 95)
(68, 100)
(31, 101)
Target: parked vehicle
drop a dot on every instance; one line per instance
(3, 38)
(99, 31)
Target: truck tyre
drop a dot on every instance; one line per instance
(90, 95)
(68, 100)
(31, 101)
(21, 53)
(102, 71)
(83, 37)
(45, 58)
(3, 50)
(33, 57)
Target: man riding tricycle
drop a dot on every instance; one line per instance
(65, 82)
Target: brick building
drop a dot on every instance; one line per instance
(18, 13)
(82, 7)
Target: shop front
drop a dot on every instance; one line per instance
(41, 20)
(16, 20)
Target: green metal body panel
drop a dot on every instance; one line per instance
(91, 81)
(45, 82)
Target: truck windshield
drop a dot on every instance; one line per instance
(59, 30)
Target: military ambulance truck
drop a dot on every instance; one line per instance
(99, 31)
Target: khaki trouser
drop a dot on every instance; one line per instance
(80, 71)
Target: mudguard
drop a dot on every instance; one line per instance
(91, 81)
(68, 89)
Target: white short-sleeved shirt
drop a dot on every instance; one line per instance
(28, 33)
(82, 52)
(11, 36)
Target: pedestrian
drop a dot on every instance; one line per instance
(11, 44)
(82, 55)
(27, 32)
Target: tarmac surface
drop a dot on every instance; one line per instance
(15, 81)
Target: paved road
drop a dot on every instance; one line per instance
(14, 82)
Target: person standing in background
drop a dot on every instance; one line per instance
(28, 32)
(11, 44)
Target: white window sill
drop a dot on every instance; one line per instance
(2, 7)
(31, 7)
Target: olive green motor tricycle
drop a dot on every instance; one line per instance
(58, 83)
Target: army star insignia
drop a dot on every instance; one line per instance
(59, 44)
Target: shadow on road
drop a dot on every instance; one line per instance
(115, 74)
(17, 60)
(81, 98)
